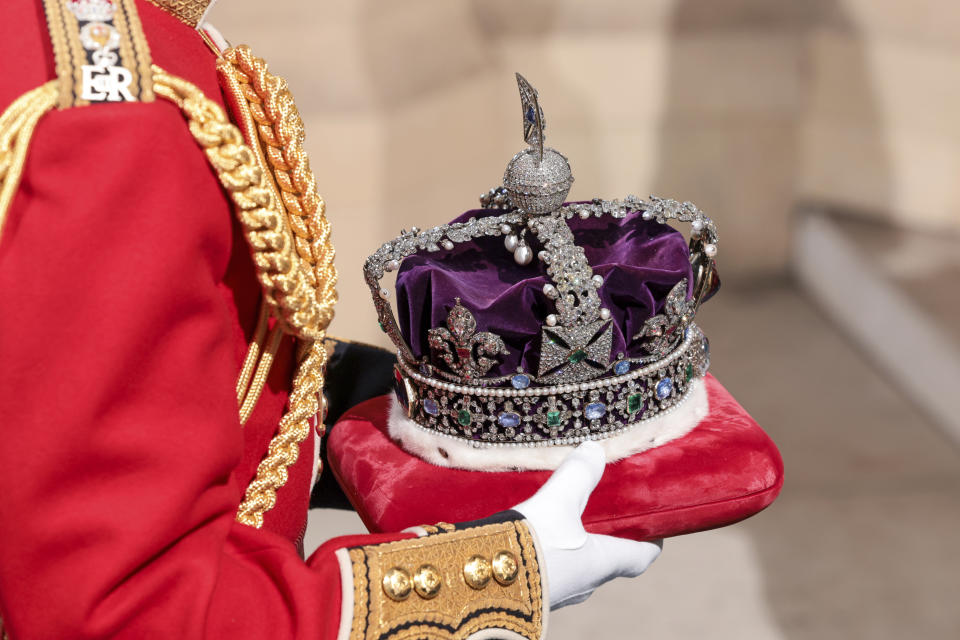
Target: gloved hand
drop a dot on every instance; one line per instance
(578, 562)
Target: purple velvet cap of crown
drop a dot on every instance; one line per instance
(640, 261)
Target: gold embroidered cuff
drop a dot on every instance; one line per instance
(448, 585)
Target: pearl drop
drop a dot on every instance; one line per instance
(414, 230)
(584, 214)
(523, 255)
(598, 280)
(505, 229)
(549, 290)
(552, 320)
(697, 226)
(446, 244)
(384, 294)
(710, 250)
(392, 265)
(604, 314)
(511, 242)
(543, 256)
(647, 215)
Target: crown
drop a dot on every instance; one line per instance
(92, 10)
(590, 341)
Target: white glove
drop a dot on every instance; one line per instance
(578, 562)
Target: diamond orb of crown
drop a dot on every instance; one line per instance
(535, 185)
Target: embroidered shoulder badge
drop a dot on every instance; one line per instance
(100, 51)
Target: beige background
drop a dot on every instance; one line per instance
(754, 109)
(746, 107)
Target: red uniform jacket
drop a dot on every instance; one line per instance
(127, 300)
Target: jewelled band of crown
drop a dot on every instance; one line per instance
(100, 51)
(556, 415)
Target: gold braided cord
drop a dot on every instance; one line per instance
(253, 352)
(295, 427)
(262, 218)
(281, 132)
(287, 280)
(262, 372)
(16, 128)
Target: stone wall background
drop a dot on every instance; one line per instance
(748, 107)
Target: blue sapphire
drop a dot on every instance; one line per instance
(595, 410)
(664, 388)
(621, 367)
(530, 116)
(520, 381)
(430, 406)
(508, 419)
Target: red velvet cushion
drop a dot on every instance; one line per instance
(723, 471)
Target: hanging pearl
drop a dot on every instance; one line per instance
(447, 244)
(597, 280)
(523, 255)
(551, 320)
(511, 242)
(710, 250)
(550, 291)
(505, 229)
(604, 314)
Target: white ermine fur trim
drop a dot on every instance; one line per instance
(461, 455)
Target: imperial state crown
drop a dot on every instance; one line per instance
(530, 325)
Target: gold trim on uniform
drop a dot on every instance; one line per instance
(100, 52)
(16, 128)
(189, 11)
(445, 605)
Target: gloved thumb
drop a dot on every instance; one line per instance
(625, 558)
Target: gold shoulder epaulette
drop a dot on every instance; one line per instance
(101, 55)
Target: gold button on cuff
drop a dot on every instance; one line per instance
(397, 584)
(477, 572)
(427, 581)
(505, 568)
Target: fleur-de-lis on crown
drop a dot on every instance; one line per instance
(467, 353)
(664, 329)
